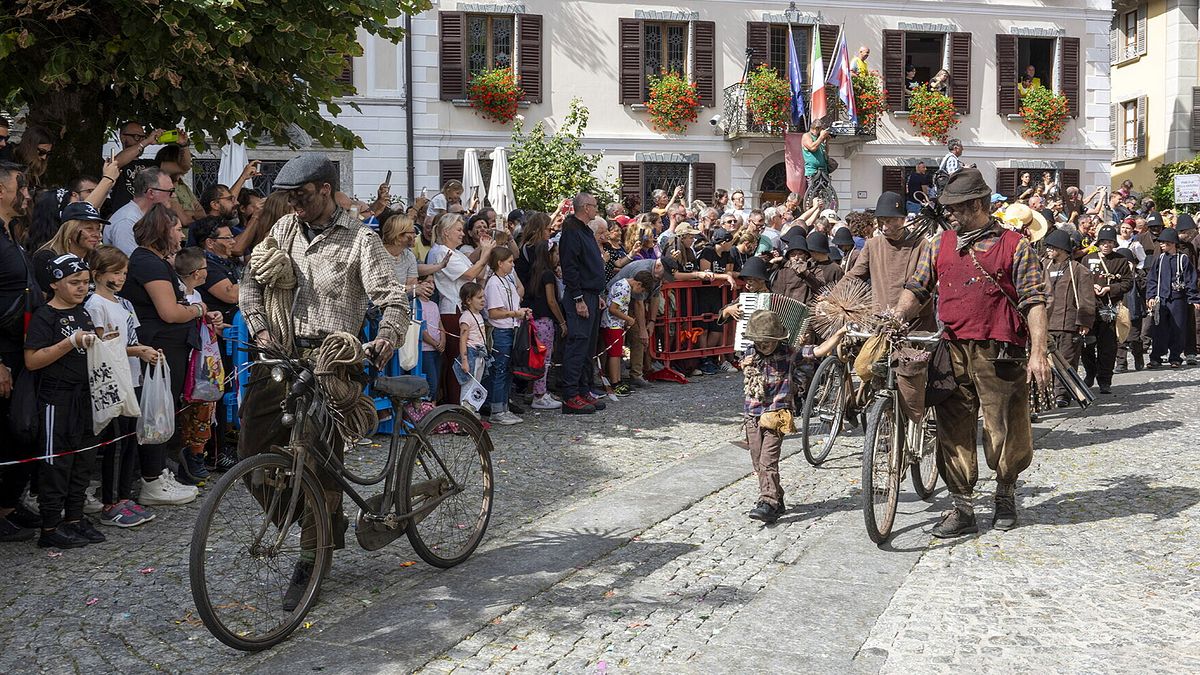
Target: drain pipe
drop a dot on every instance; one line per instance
(408, 109)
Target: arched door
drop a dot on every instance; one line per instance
(774, 187)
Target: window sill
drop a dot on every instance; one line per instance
(1128, 60)
(466, 103)
(903, 114)
(638, 107)
(1015, 117)
(1128, 160)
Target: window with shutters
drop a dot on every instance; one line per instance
(1035, 58)
(665, 176)
(1131, 125)
(1131, 34)
(1026, 62)
(911, 58)
(664, 49)
(639, 180)
(1127, 41)
(778, 51)
(490, 42)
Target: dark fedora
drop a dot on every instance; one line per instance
(963, 186)
(793, 241)
(890, 205)
(1168, 236)
(1183, 222)
(1106, 233)
(1060, 239)
(818, 242)
(842, 237)
(754, 268)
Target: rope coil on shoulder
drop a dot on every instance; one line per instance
(338, 361)
(272, 268)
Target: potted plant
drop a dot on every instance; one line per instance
(1045, 115)
(769, 98)
(869, 96)
(931, 112)
(673, 102)
(494, 94)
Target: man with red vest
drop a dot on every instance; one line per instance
(992, 300)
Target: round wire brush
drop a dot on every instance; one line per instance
(847, 302)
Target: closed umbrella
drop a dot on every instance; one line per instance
(473, 187)
(500, 189)
(233, 161)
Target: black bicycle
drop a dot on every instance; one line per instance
(269, 513)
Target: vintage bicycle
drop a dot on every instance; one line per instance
(268, 512)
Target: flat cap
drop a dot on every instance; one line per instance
(308, 168)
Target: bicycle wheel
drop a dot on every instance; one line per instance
(455, 460)
(923, 450)
(245, 549)
(880, 468)
(824, 408)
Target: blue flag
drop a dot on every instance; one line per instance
(797, 81)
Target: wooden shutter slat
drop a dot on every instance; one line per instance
(1141, 30)
(704, 181)
(452, 55)
(960, 72)
(1141, 126)
(1069, 178)
(1114, 41)
(829, 36)
(1069, 77)
(758, 43)
(1006, 75)
(893, 179)
(631, 176)
(1006, 182)
(893, 68)
(529, 59)
(449, 169)
(1114, 133)
(633, 80)
(706, 65)
(1195, 144)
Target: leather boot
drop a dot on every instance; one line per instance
(1005, 515)
(957, 521)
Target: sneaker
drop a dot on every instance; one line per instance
(85, 529)
(696, 372)
(63, 537)
(546, 402)
(170, 476)
(30, 501)
(577, 405)
(192, 470)
(765, 512)
(709, 368)
(164, 491)
(639, 382)
(612, 396)
(225, 461)
(727, 367)
(10, 531)
(1005, 515)
(955, 523)
(622, 390)
(23, 517)
(516, 408)
(140, 510)
(91, 505)
(121, 515)
(505, 418)
(594, 400)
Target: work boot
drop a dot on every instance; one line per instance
(1121, 367)
(1106, 387)
(765, 512)
(1139, 362)
(1005, 515)
(957, 521)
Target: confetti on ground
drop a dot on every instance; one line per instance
(55, 554)
(408, 563)
(609, 594)
(147, 570)
(91, 601)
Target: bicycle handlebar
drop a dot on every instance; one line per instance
(919, 339)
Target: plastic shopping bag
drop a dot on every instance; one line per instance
(157, 423)
(110, 383)
(206, 373)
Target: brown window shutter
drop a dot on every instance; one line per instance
(1006, 75)
(633, 80)
(960, 72)
(758, 43)
(631, 176)
(705, 46)
(893, 179)
(347, 74)
(529, 33)
(1068, 178)
(1195, 144)
(1006, 182)
(1141, 126)
(704, 181)
(449, 169)
(1068, 83)
(452, 55)
(1141, 29)
(829, 36)
(893, 68)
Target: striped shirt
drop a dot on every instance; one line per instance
(1028, 277)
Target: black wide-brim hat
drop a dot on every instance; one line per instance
(1060, 239)
(890, 205)
(963, 186)
(1168, 235)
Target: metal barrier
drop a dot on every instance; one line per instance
(678, 334)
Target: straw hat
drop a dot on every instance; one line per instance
(1020, 216)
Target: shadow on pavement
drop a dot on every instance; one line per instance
(1078, 439)
(1121, 497)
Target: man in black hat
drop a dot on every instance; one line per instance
(888, 262)
(791, 277)
(1113, 278)
(1185, 227)
(1135, 301)
(1071, 303)
(824, 271)
(842, 249)
(992, 301)
(335, 268)
(1170, 287)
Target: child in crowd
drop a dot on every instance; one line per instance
(472, 339)
(548, 320)
(615, 320)
(504, 315)
(767, 366)
(433, 340)
(114, 318)
(56, 344)
(195, 417)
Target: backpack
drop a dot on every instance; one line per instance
(528, 354)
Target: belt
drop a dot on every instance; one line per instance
(307, 343)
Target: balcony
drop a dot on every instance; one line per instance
(737, 122)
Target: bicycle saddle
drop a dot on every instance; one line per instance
(406, 387)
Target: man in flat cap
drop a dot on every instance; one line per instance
(992, 301)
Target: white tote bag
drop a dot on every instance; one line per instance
(110, 383)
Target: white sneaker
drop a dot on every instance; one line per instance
(170, 477)
(29, 501)
(164, 491)
(91, 504)
(546, 402)
(612, 397)
(727, 367)
(505, 418)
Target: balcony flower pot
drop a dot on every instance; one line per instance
(931, 113)
(673, 102)
(869, 96)
(1045, 115)
(769, 99)
(494, 94)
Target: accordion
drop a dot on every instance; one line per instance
(792, 312)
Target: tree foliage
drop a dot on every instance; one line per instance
(1163, 191)
(546, 167)
(84, 65)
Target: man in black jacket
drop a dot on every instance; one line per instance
(1112, 277)
(583, 277)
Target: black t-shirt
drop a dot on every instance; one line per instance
(47, 327)
(218, 270)
(720, 263)
(15, 267)
(122, 190)
(915, 182)
(537, 300)
(145, 266)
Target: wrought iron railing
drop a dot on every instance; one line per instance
(737, 121)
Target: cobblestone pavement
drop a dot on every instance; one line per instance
(125, 605)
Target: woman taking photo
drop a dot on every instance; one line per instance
(457, 270)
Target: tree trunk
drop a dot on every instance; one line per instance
(78, 120)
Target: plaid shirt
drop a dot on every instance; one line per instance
(338, 273)
(777, 381)
(1028, 277)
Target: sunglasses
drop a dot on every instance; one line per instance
(137, 138)
(158, 189)
(4, 138)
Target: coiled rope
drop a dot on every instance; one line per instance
(272, 269)
(337, 363)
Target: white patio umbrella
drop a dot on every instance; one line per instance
(472, 180)
(500, 189)
(233, 160)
